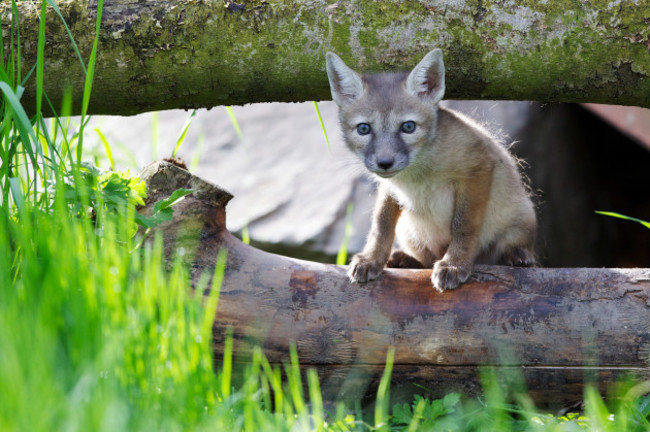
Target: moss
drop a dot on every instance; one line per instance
(200, 54)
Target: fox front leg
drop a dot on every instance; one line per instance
(456, 265)
(368, 264)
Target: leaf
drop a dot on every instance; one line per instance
(176, 196)
(162, 211)
(434, 410)
(154, 220)
(90, 168)
(450, 401)
(402, 414)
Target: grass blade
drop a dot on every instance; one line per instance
(226, 371)
(40, 67)
(620, 216)
(235, 124)
(107, 148)
(17, 193)
(383, 392)
(88, 83)
(212, 303)
(3, 74)
(22, 121)
(40, 60)
(342, 255)
(245, 235)
(67, 29)
(322, 126)
(155, 135)
(316, 400)
(194, 163)
(16, 66)
(181, 137)
(295, 382)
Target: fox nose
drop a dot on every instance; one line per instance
(385, 162)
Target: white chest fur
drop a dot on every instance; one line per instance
(427, 212)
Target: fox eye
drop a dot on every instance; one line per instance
(408, 127)
(363, 128)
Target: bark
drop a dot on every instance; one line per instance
(555, 328)
(158, 55)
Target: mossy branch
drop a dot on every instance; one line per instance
(192, 54)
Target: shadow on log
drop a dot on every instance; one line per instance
(558, 328)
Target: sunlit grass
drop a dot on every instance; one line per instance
(234, 122)
(624, 217)
(183, 134)
(97, 334)
(342, 254)
(322, 126)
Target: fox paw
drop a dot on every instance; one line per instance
(401, 259)
(447, 276)
(518, 257)
(363, 270)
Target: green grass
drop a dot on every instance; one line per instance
(342, 255)
(99, 336)
(620, 216)
(98, 333)
(181, 137)
(322, 126)
(235, 123)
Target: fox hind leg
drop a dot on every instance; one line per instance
(518, 256)
(400, 259)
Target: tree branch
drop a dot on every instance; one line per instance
(190, 54)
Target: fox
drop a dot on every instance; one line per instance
(450, 192)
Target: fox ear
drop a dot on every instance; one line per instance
(346, 85)
(427, 79)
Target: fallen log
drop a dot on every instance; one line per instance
(557, 328)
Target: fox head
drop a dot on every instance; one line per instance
(387, 118)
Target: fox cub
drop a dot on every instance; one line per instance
(453, 195)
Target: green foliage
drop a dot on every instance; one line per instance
(33, 158)
(162, 210)
(101, 337)
(424, 413)
(102, 191)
